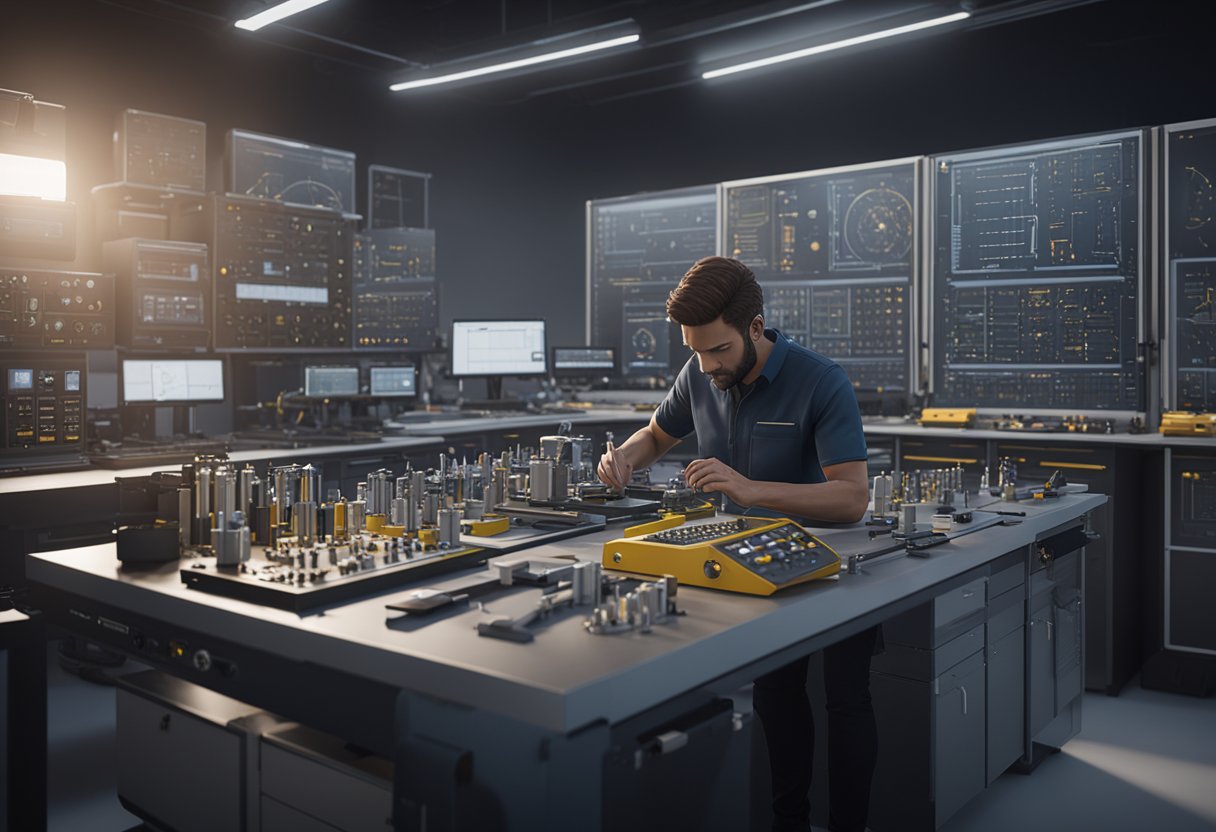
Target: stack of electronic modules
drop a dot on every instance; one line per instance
(48, 315)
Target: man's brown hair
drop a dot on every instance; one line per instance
(713, 287)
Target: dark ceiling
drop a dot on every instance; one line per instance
(380, 41)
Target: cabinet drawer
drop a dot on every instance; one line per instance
(1005, 614)
(1007, 578)
(956, 604)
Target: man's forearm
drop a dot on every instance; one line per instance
(835, 501)
(642, 449)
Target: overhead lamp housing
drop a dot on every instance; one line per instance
(761, 61)
(531, 57)
(275, 14)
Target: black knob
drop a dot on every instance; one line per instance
(713, 569)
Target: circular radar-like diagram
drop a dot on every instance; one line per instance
(1200, 206)
(878, 226)
(644, 343)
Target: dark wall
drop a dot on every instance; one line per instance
(511, 179)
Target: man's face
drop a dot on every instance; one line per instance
(724, 354)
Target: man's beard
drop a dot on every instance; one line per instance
(727, 380)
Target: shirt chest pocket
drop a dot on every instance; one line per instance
(776, 452)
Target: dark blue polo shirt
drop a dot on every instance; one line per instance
(799, 415)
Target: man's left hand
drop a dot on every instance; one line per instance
(712, 475)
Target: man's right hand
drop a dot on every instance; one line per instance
(615, 470)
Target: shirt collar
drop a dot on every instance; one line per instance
(781, 347)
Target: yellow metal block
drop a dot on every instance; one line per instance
(1183, 423)
(429, 537)
(375, 522)
(948, 417)
(489, 525)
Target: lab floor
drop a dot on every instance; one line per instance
(1143, 760)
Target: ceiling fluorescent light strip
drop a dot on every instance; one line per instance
(831, 47)
(275, 14)
(516, 64)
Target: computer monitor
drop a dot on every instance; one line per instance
(393, 382)
(583, 361)
(498, 348)
(181, 381)
(327, 382)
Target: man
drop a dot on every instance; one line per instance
(779, 433)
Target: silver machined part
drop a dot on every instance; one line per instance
(430, 508)
(185, 516)
(308, 485)
(540, 480)
(244, 489)
(413, 514)
(225, 490)
(304, 522)
(585, 583)
(449, 526)
(399, 511)
(356, 517)
(230, 539)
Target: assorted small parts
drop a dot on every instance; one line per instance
(572, 584)
(650, 603)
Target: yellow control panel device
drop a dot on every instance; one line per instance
(947, 417)
(754, 555)
(1184, 423)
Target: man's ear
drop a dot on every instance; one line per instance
(757, 328)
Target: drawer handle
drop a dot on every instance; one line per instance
(969, 594)
(963, 690)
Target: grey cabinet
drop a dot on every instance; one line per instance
(931, 702)
(1054, 643)
(959, 722)
(1005, 654)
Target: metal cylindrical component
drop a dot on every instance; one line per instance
(402, 486)
(449, 526)
(561, 483)
(325, 521)
(585, 585)
(185, 517)
(379, 492)
(225, 491)
(244, 489)
(430, 508)
(284, 478)
(308, 485)
(304, 522)
(399, 511)
(882, 494)
(473, 509)
(908, 521)
(540, 480)
(356, 517)
(230, 539)
(202, 505)
(341, 518)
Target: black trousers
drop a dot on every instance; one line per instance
(781, 702)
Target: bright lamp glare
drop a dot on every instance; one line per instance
(509, 65)
(275, 13)
(32, 176)
(830, 47)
